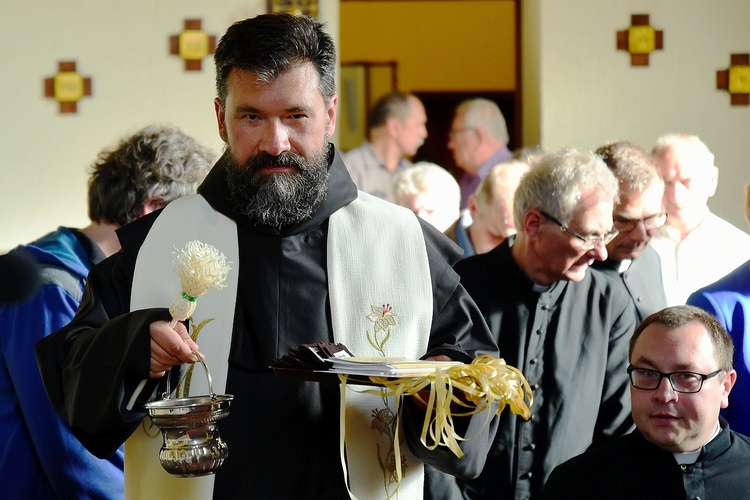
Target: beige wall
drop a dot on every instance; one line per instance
(124, 47)
(579, 91)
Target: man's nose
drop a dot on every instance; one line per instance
(599, 251)
(664, 392)
(275, 138)
(680, 192)
(639, 232)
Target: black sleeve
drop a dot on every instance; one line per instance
(458, 331)
(92, 366)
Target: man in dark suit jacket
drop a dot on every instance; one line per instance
(636, 216)
(681, 376)
(565, 327)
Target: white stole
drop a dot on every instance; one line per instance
(378, 261)
(155, 284)
(376, 256)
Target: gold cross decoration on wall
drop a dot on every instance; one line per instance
(736, 79)
(67, 87)
(297, 7)
(640, 39)
(193, 44)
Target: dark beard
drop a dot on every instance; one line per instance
(279, 199)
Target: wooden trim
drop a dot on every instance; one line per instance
(517, 127)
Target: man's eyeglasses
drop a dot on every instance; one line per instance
(589, 242)
(650, 223)
(453, 133)
(686, 382)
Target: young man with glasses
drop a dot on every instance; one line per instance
(637, 216)
(565, 327)
(680, 375)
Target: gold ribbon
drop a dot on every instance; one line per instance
(456, 391)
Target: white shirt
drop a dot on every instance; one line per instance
(710, 252)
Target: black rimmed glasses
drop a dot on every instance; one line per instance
(590, 241)
(685, 382)
(650, 223)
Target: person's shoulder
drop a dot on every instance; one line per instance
(742, 439)
(597, 460)
(604, 284)
(59, 241)
(736, 280)
(59, 251)
(482, 275)
(728, 232)
(357, 157)
(476, 262)
(582, 476)
(649, 257)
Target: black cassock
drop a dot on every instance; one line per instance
(283, 435)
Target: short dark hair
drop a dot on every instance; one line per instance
(391, 104)
(158, 161)
(677, 316)
(634, 167)
(270, 44)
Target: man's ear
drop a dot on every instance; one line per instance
(532, 223)
(331, 112)
(471, 204)
(393, 125)
(220, 118)
(730, 378)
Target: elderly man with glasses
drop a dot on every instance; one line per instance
(637, 216)
(479, 140)
(565, 327)
(680, 375)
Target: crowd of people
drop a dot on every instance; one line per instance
(586, 270)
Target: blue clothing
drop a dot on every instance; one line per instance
(39, 456)
(729, 300)
(459, 233)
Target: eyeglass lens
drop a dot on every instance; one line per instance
(687, 382)
(649, 223)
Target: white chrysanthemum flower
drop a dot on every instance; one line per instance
(200, 267)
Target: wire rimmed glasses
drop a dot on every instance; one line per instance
(590, 241)
(650, 223)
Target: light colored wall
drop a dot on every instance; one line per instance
(124, 47)
(580, 91)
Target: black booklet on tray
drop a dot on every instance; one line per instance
(322, 362)
(312, 356)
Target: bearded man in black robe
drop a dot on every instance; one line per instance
(279, 182)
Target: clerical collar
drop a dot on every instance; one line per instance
(690, 457)
(624, 265)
